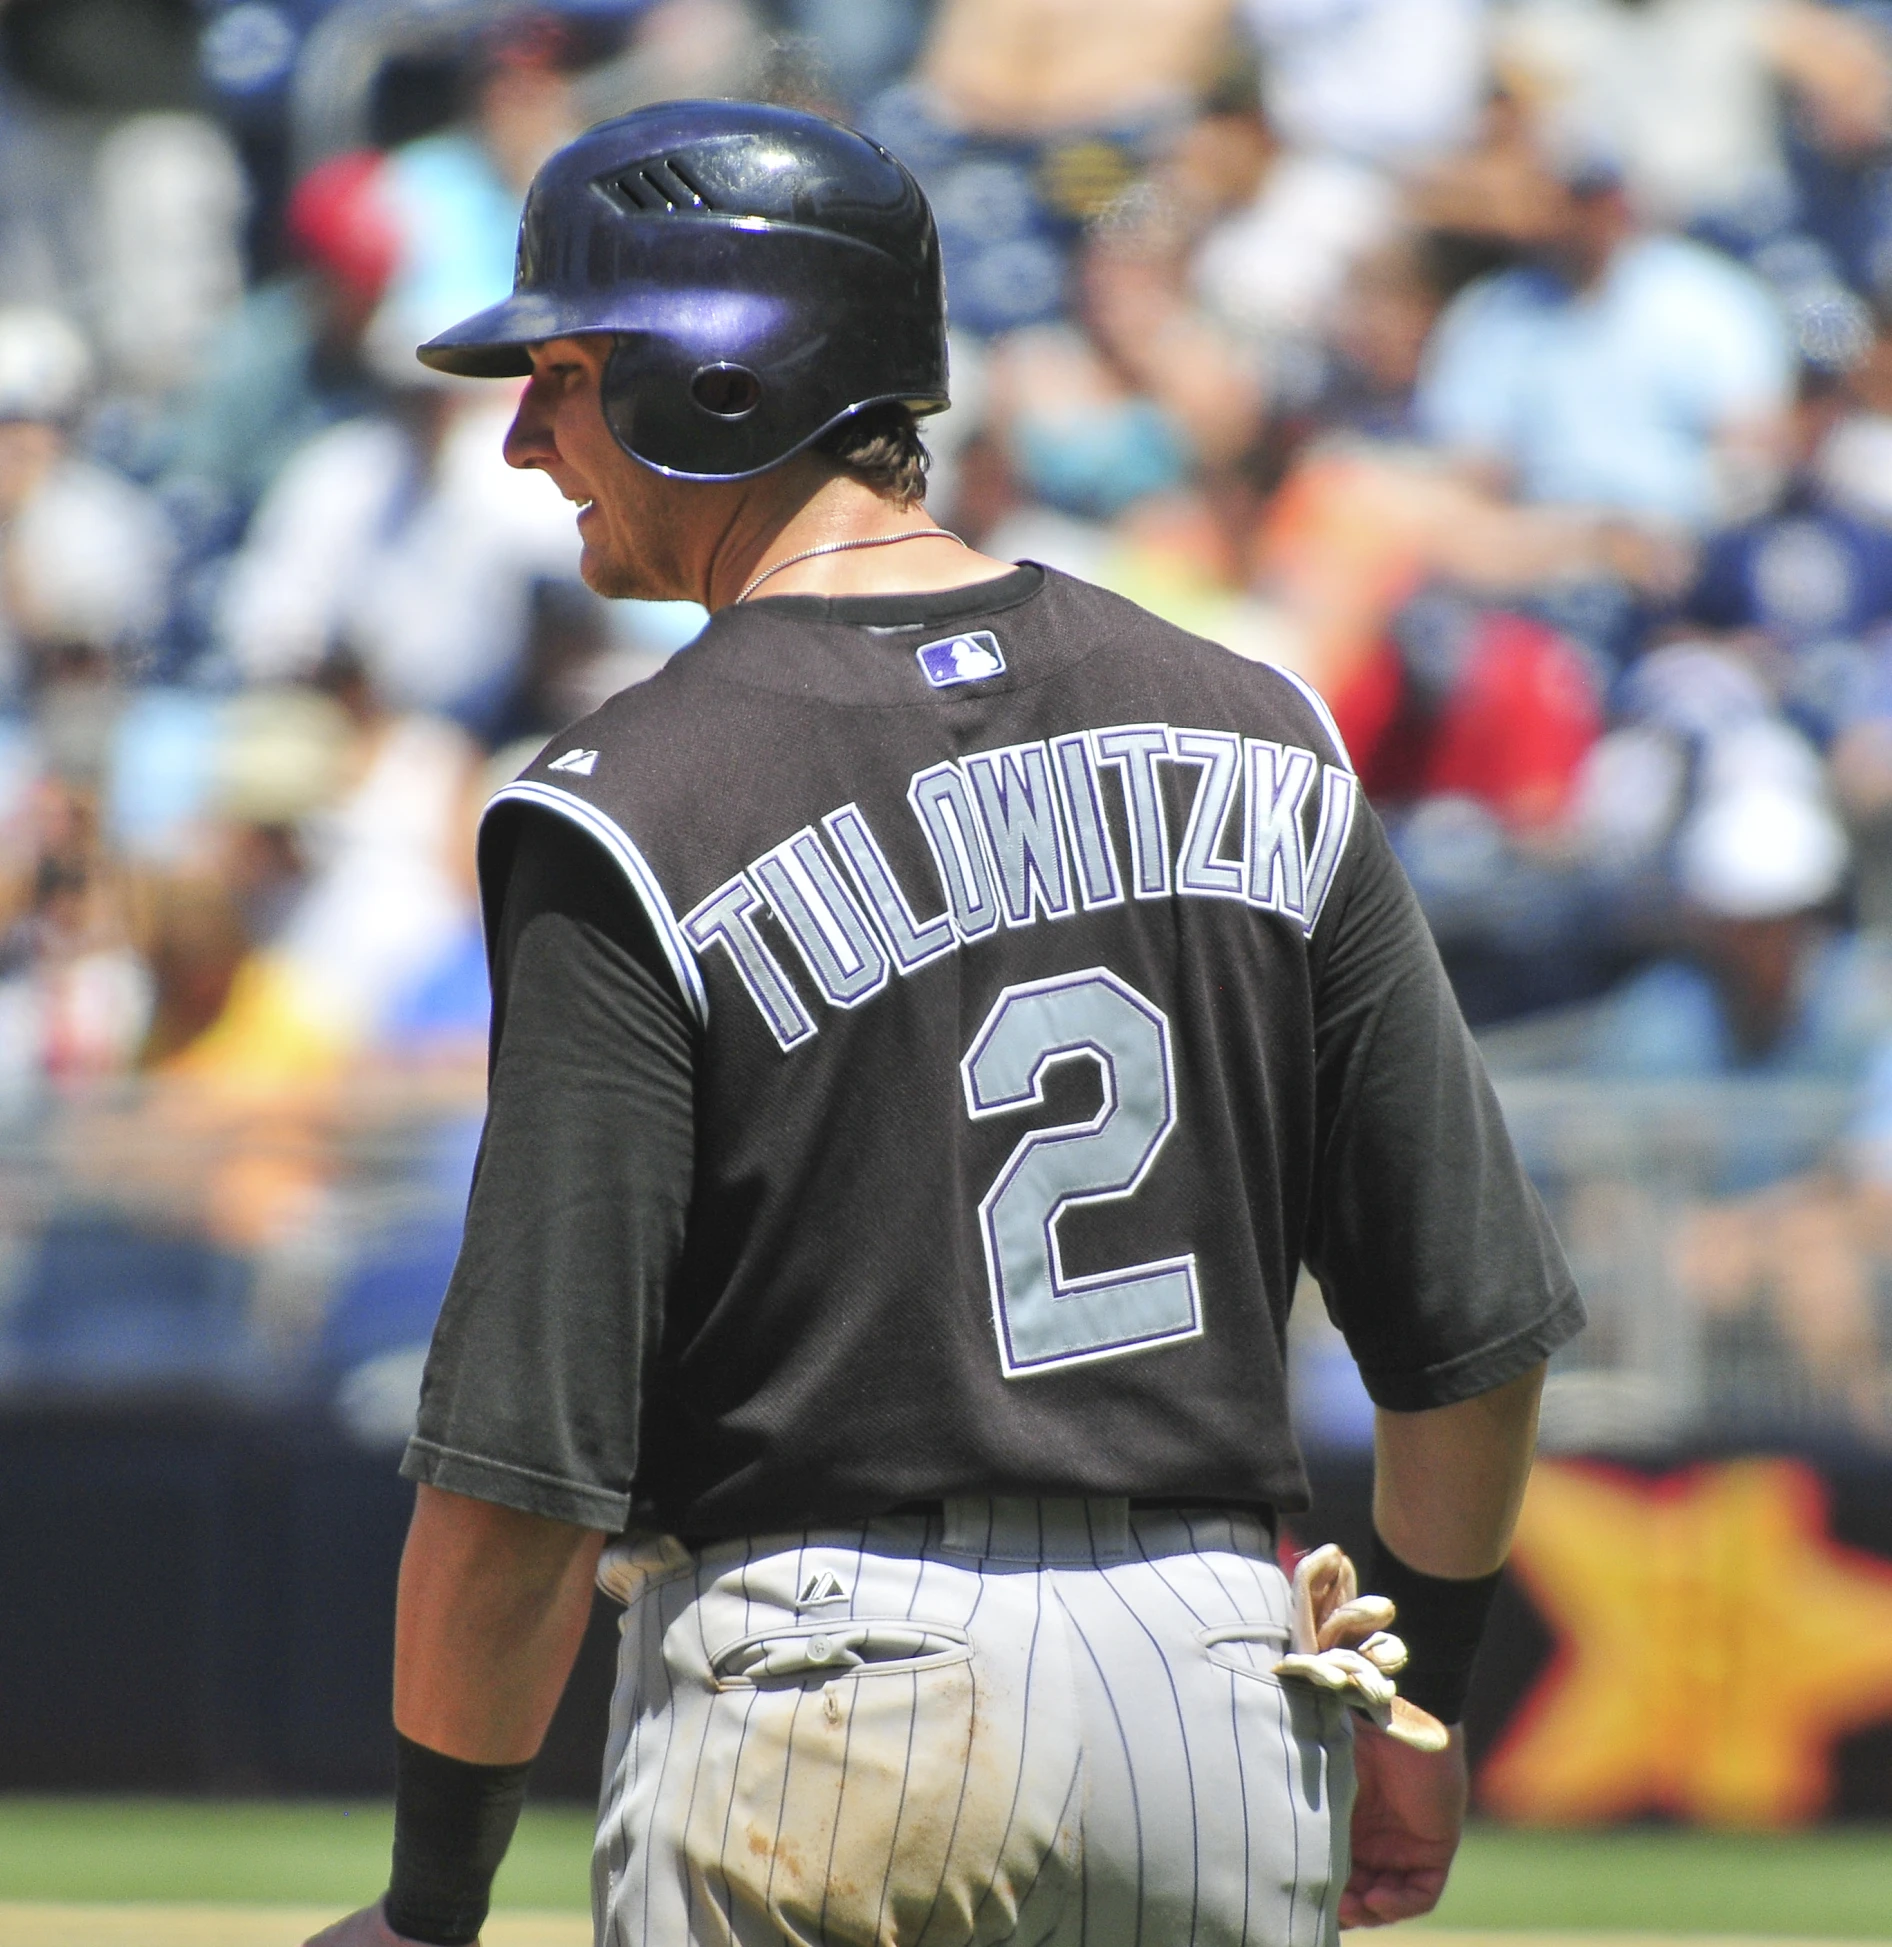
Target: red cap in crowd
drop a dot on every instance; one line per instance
(340, 221)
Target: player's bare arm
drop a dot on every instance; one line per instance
(491, 1608)
(1448, 1484)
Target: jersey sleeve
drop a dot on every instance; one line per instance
(575, 1222)
(1434, 1254)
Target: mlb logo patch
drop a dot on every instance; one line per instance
(961, 659)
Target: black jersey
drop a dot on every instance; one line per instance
(1052, 995)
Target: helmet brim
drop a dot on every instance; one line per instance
(492, 343)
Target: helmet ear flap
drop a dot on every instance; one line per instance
(617, 392)
(661, 398)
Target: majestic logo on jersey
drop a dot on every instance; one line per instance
(1022, 835)
(582, 762)
(961, 659)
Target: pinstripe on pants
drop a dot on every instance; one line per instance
(1047, 1722)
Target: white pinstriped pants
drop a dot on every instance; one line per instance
(1043, 1722)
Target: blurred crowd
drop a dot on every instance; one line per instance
(1519, 372)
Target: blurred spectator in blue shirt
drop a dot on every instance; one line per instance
(84, 554)
(456, 194)
(1620, 370)
(1807, 572)
(1762, 984)
(405, 539)
(289, 361)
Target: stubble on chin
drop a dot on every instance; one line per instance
(616, 580)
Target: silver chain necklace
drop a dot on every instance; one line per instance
(840, 547)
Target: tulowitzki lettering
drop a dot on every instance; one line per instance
(1023, 836)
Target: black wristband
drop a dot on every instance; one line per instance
(452, 1824)
(1441, 1621)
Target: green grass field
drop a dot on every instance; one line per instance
(1836, 1883)
(267, 1851)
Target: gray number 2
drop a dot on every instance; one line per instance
(1043, 1317)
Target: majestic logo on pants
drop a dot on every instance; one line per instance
(822, 1585)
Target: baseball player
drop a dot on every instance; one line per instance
(934, 1019)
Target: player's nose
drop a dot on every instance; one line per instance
(529, 440)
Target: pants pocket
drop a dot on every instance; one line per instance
(1250, 1649)
(797, 1652)
(863, 1783)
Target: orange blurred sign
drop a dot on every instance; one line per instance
(1713, 1645)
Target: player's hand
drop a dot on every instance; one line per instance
(368, 1928)
(1407, 1818)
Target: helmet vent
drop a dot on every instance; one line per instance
(661, 188)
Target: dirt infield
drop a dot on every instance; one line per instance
(34, 1923)
(31, 1923)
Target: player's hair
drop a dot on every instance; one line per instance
(882, 446)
